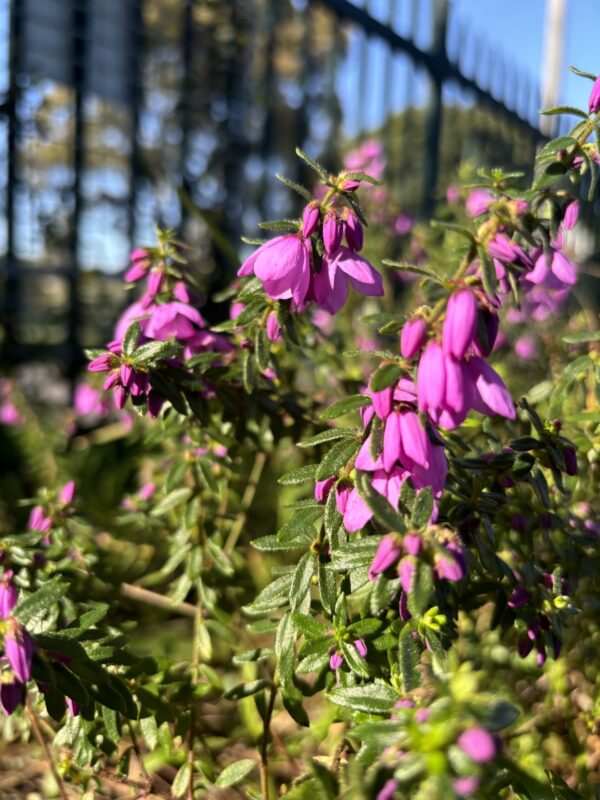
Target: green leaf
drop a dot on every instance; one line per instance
(296, 187)
(293, 704)
(451, 226)
(248, 372)
(408, 658)
(131, 338)
(364, 627)
(151, 352)
(327, 588)
(581, 338)
(346, 406)
(273, 544)
(301, 580)
(577, 112)
(314, 662)
(373, 698)
(308, 626)
(524, 443)
(502, 715)
(181, 782)
(314, 165)
(339, 455)
(553, 146)
(111, 723)
(289, 225)
(582, 74)
(34, 607)
(328, 783)
(488, 272)
(421, 589)
(364, 177)
(272, 596)
(171, 501)
(285, 639)
(261, 349)
(422, 508)
(299, 475)
(328, 436)
(235, 773)
(403, 266)
(384, 376)
(354, 660)
(253, 310)
(245, 689)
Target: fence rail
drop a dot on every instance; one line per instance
(109, 116)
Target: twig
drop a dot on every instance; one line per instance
(154, 599)
(264, 749)
(247, 499)
(47, 752)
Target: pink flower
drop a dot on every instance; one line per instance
(465, 786)
(404, 224)
(174, 319)
(520, 597)
(413, 337)
(478, 744)
(8, 595)
(322, 489)
(388, 553)
(39, 520)
(361, 647)
(478, 202)
(340, 270)
(451, 565)
(491, 395)
(388, 790)
(459, 323)
(336, 659)
(18, 649)
(571, 215)
(553, 270)
(88, 400)
(525, 347)
(594, 102)
(283, 266)
(72, 706)
(140, 264)
(273, 327)
(67, 493)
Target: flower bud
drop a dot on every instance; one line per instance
(571, 215)
(332, 232)
(310, 219)
(459, 323)
(273, 327)
(67, 493)
(478, 744)
(354, 232)
(594, 104)
(413, 337)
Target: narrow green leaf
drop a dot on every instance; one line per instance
(346, 406)
(374, 698)
(235, 773)
(384, 376)
(301, 580)
(329, 435)
(339, 455)
(171, 501)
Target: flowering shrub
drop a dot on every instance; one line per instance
(419, 594)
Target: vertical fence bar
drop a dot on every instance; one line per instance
(433, 110)
(12, 289)
(137, 39)
(79, 33)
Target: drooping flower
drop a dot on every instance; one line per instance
(341, 270)
(478, 201)
(310, 219)
(8, 594)
(332, 231)
(459, 323)
(388, 790)
(553, 270)
(478, 744)
(67, 493)
(353, 230)
(273, 327)
(283, 266)
(571, 215)
(18, 649)
(490, 393)
(39, 520)
(140, 264)
(73, 706)
(466, 785)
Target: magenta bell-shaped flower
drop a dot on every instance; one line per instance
(491, 395)
(451, 565)
(8, 595)
(140, 263)
(478, 744)
(413, 337)
(460, 323)
(571, 215)
(388, 790)
(273, 327)
(67, 493)
(466, 785)
(594, 103)
(341, 270)
(18, 649)
(336, 659)
(283, 266)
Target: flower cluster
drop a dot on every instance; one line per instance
(313, 264)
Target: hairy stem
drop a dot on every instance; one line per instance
(247, 499)
(264, 748)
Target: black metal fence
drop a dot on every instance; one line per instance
(122, 114)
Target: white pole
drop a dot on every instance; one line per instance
(552, 63)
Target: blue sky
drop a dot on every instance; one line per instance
(514, 28)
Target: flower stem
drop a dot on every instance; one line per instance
(35, 725)
(264, 749)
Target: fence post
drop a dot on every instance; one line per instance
(433, 109)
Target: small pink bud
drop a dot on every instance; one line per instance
(67, 493)
(273, 327)
(413, 337)
(571, 215)
(460, 323)
(310, 219)
(332, 232)
(354, 232)
(478, 744)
